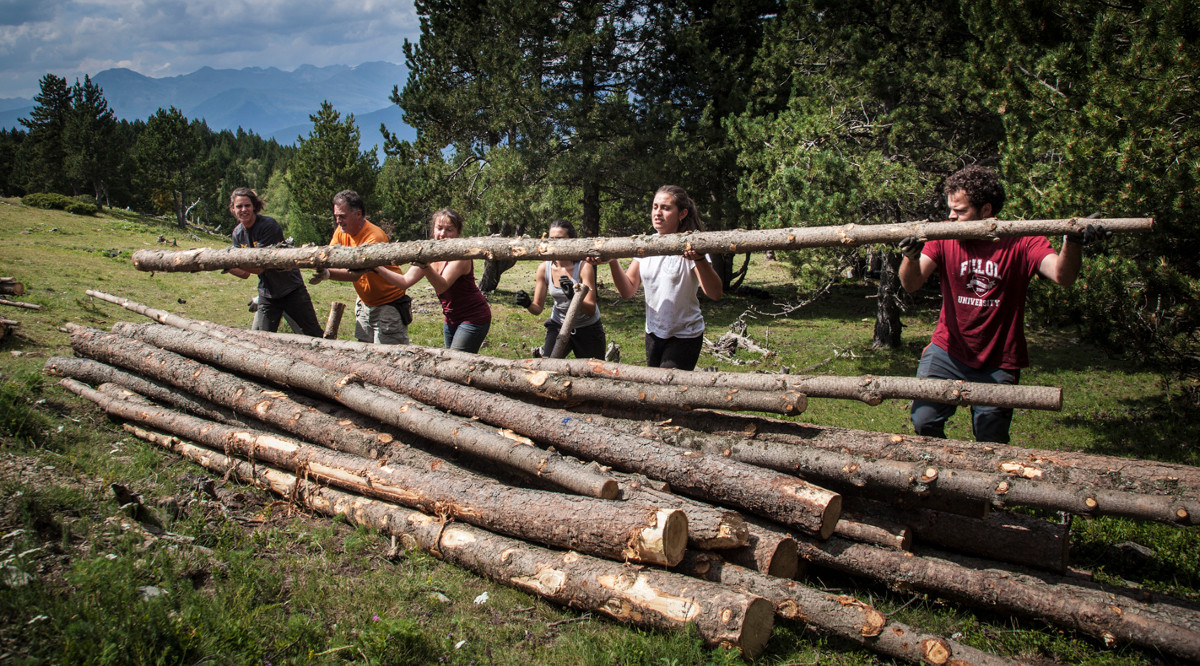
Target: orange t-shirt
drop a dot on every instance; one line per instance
(372, 289)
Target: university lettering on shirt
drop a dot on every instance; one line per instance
(981, 277)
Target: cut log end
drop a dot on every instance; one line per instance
(829, 518)
(757, 624)
(663, 542)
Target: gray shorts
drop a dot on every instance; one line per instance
(381, 324)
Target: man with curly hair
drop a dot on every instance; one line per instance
(980, 334)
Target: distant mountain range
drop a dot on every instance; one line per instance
(269, 102)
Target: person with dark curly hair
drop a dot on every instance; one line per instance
(980, 334)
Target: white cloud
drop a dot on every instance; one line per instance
(158, 38)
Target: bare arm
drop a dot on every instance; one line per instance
(625, 281)
(401, 280)
(710, 282)
(539, 291)
(914, 273)
(1063, 268)
(443, 278)
(244, 272)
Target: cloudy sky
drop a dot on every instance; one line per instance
(158, 38)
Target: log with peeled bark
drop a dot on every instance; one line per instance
(781, 497)
(846, 472)
(334, 321)
(19, 304)
(869, 389)
(577, 249)
(1002, 535)
(1076, 468)
(642, 597)
(562, 342)
(839, 615)
(872, 529)
(395, 410)
(605, 528)
(1109, 614)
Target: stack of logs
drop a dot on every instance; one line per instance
(642, 494)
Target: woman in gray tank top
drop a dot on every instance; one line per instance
(587, 335)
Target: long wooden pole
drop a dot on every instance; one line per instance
(605, 248)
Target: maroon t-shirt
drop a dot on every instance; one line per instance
(463, 303)
(983, 297)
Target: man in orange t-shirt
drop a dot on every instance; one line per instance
(382, 311)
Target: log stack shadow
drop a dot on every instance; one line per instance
(659, 501)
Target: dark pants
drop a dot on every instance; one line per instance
(298, 307)
(586, 342)
(679, 353)
(990, 424)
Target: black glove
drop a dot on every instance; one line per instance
(566, 284)
(1090, 234)
(911, 247)
(523, 299)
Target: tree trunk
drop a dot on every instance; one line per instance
(771, 551)
(19, 304)
(642, 597)
(578, 249)
(838, 615)
(887, 305)
(614, 530)
(385, 406)
(709, 527)
(562, 342)
(780, 497)
(334, 322)
(1105, 615)
(489, 280)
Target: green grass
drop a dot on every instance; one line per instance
(251, 580)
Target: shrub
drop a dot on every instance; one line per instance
(81, 208)
(46, 200)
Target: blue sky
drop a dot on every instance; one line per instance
(158, 38)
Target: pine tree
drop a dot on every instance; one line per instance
(169, 153)
(42, 157)
(88, 141)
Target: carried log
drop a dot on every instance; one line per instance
(385, 406)
(840, 615)
(11, 287)
(577, 249)
(642, 597)
(334, 321)
(19, 304)
(1109, 615)
(615, 530)
(561, 343)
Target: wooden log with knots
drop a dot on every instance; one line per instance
(9, 286)
(605, 248)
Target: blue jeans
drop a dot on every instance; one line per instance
(466, 336)
(990, 424)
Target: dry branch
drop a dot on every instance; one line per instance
(615, 530)
(578, 249)
(564, 332)
(19, 304)
(644, 597)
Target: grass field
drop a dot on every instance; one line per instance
(248, 580)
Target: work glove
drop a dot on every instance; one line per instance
(319, 276)
(253, 304)
(566, 284)
(523, 299)
(1090, 234)
(911, 247)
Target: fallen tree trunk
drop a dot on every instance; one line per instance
(840, 615)
(780, 497)
(1002, 535)
(568, 323)
(495, 248)
(334, 321)
(709, 527)
(347, 389)
(1112, 617)
(614, 530)
(642, 597)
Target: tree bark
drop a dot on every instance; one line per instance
(1109, 615)
(887, 306)
(11, 287)
(347, 389)
(642, 597)
(709, 527)
(1002, 535)
(839, 615)
(780, 497)
(334, 322)
(489, 280)
(870, 528)
(564, 332)
(578, 249)
(771, 551)
(605, 528)
(19, 304)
